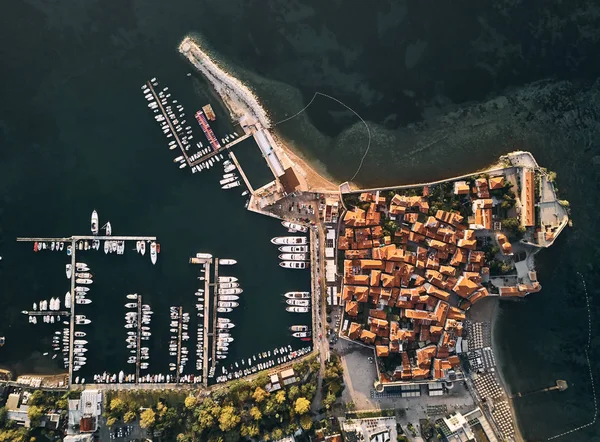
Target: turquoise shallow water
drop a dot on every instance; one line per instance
(446, 88)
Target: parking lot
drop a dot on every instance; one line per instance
(359, 374)
(121, 432)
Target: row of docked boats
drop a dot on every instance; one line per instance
(137, 324)
(179, 336)
(230, 180)
(260, 361)
(297, 302)
(229, 137)
(52, 246)
(296, 251)
(207, 163)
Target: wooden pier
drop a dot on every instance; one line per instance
(74, 238)
(72, 322)
(46, 313)
(206, 311)
(214, 322)
(138, 340)
(179, 333)
(242, 174)
(221, 149)
(168, 120)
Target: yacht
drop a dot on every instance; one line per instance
(84, 275)
(227, 262)
(68, 300)
(224, 310)
(143, 247)
(289, 240)
(204, 256)
(235, 291)
(82, 289)
(132, 296)
(228, 298)
(226, 324)
(227, 279)
(294, 227)
(81, 320)
(293, 257)
(69, 271)
(83, 281)
(106, 247)
(108, 228)
(299, 328)
(297, 295)
(231, 185)
(227, 180)
(295, 309)
(153, 252)
(95, 222)
(83, 301)
(298, 302)
(228, 285)
(227, 304)
(304, 334)
(294, 264)
(79, 334)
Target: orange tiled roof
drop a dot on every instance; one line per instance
(496, 182)
(352, 308)
(464, 287)
(355, 329)
(367, 336)
(382, 350)
(528, 210)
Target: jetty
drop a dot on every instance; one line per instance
(213, 333)
(206, 262)
(242, 174)
(560, 386)
(168, 120)
(179, 340)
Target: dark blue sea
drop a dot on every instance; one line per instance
(446, 87)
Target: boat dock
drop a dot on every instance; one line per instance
(168, 120)
(138, 354)
(89, 237)
(72, 321)
(45, 312)
(179, 332)
(205, 327)
(214, 322)
(242, 174)
(209, 155)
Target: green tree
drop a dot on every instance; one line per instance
(259, 395)
(190, 402)
(294, 392)
(35, 414)
(329, 400)
(249, 430)
(117, 407)
(147, 418)
(37, 398)
(228, 419)
(277, 434)
(205, 420)
(302, 405)
(280, 397)
(306, 422)
(255, 413)
(3, 413)
(111, 421)
(129, 417)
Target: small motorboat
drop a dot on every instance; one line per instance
(153, 255)
(108, 228)
(294, 227)
(224, 309)
(83, 301)
(131, 305)
(227, 262)
(69, 271)
(94, 222)
(143, 248)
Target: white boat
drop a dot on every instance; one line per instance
(227, 279)
(203, 255)
(182, 165)
(108, 228)
(95, 222)
(79, 334)
(96, 244)
(83, 281)
(228, 297)
(229, 175)
(178, 159)
(82, 289)
(227, 180)
(114, 246)
(297, 295)
(227, 262)
(299, 328)
(84, 275)
(81, 267)
(289, 240)
(120, 247)
(234, 291)
(228, 285)
(106, 247)
(224, 309)
(294, 227)
(80, 342)
(81, 319)
(298, 302)
(131, 305)
(143, 247)
(231, 185)
(153, 252)
(69, 271)
(227, 304)
(68, 300)
(294, 309)
(294, 264)
(83, 301)
(293, 257)
(132, 296)
(138, 246)
(304, 334)
(224, 339)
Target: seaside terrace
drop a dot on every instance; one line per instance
(415, 261)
